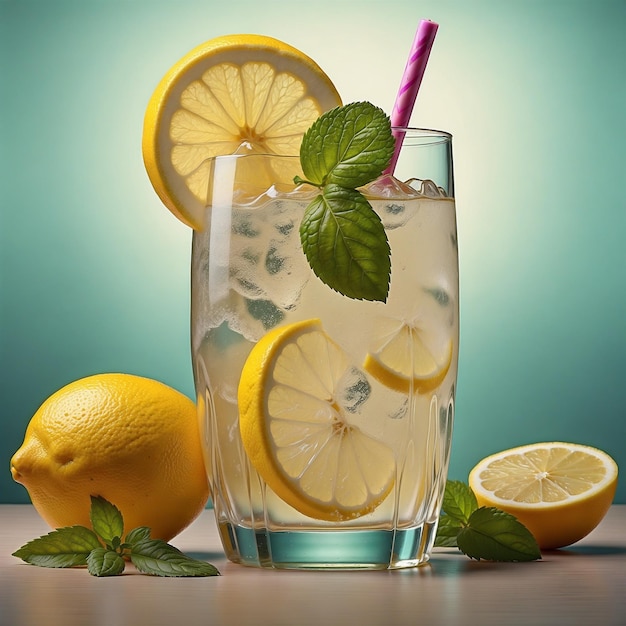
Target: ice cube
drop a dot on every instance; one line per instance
(430, 189)
(385, 188)
(353, 390)
(266, 259)
(396, 201)
(388, 186)
(266, 312)
(255, 264)
(233, 311)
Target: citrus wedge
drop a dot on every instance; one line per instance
(559, 491)
(296, 432)
(405, 359)
(233, 94)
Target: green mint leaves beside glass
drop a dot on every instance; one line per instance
(342, 236)
(103, 551)
(482, 533)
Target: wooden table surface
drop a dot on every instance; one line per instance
(584, 584)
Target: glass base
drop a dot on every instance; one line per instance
(345, 549)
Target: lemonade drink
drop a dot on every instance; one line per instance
(325, 378)
(388, 393)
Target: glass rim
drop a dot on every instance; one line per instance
(422, 132)
(434, 136)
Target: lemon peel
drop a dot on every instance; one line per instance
(129, 439)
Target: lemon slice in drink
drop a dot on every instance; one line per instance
(232, 94)
(408, 357)
(559, 491)
(296, 432)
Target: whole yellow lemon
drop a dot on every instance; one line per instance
(132, 440)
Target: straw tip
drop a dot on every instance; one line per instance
(428, 21)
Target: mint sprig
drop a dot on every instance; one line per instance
(103, 551)
(486, 533)
(342, 236)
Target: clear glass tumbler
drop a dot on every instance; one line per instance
(326, 420)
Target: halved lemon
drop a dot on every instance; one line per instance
(559, 491)
(232, 94)
(406, 358)
(296, 430)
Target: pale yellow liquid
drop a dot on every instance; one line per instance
(259, 278)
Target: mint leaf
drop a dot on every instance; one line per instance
(459, 501)
(447, 531)
(156, 557)
(64, 547)
(345, 244)
(347, 146)
(77, 545)
(482, 533)
(342, 236)
(104, 562)
(137, 534)
(495, 535)
(106, 520)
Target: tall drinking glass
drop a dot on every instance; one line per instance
(326, 420)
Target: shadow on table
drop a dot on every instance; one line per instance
(454, 563)
(588, 550)
(463, 565)
(206, 556)
(451, 563)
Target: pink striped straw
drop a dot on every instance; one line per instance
(410, 83)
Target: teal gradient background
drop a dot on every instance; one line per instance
(95, 272)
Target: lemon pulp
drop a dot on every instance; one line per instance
(404, 361)
(560, 491)
(296, 432)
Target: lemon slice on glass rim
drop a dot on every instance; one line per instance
(559, 491)
(232, 94)
(295, 430)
